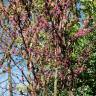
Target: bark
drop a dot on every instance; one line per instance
(70, 93)
(55, 82)
(10, 80)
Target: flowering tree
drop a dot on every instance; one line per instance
(39, 39)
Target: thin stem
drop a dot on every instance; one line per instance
(10, 79)
(55, 82)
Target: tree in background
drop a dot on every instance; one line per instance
(50, 43)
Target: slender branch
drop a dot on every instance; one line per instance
(55, 81)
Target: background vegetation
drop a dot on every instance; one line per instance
(47, 48)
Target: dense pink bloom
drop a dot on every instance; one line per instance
(82, 32)
(24, 17)
(55, 11)
(42, 22)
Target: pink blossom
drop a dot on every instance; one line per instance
(79, 70)
(13, 51)
(82, 32)
(42, 22)
(11, 18)
(85, 22)
(34, 29)
(65, 17)
(24, 17)
(1, 22)
(56, 11)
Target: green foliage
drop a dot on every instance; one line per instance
(42, 39)
(84, 91)
(74, 28)
(63, 93)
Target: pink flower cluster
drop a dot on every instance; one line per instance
(79, 70)
(58, 8)
(82, 32)
(55, 11)
(24, 16)
(42, 22)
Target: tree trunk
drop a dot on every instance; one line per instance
(55, 82)
(70, 93)
(10, 80)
